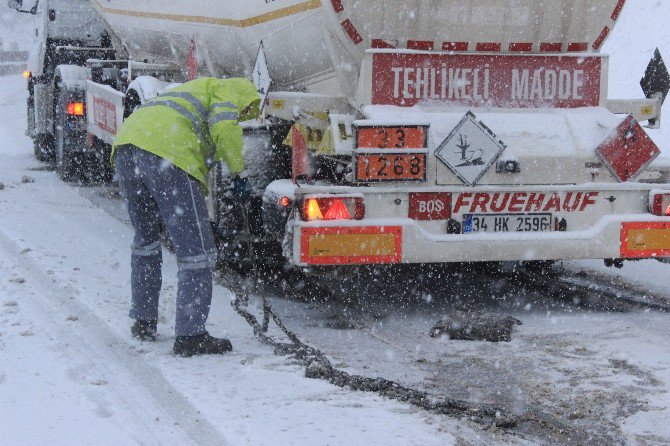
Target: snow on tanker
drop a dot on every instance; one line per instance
(393, 131)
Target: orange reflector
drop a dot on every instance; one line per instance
(645, 239)
(337, 211)
(351, 245)
(75, 108)
(27, 74)
(313, 210)
(285, 201)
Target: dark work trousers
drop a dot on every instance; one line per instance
(155, 188)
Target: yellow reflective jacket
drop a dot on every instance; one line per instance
(194, 123)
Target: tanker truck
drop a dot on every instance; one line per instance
(396, 131)
(67, 33)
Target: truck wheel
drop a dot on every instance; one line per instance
(99, 167)
(231, 236)
(43, 144)
(105, 169)
(44, 148)
(266, 162)
(66, 161)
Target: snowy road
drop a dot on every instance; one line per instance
(585, 370)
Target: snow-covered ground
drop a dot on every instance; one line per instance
(71, 374)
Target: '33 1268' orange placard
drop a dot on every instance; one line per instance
(377, 167)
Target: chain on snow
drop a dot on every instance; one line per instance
(319, 366)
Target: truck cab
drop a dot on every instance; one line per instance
(68, 32)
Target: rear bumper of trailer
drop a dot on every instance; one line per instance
(404, 241)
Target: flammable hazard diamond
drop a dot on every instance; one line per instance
(470, 149)
(627, 150)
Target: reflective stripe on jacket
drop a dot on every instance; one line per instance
(194, 124)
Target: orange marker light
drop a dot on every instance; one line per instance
(75, 108)
(285, 201)
(313, 210)
(667, 211)
(26, 74)
(338, 211)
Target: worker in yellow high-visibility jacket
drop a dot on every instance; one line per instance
(162, 155)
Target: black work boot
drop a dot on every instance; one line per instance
(145, 330)
(203, 344)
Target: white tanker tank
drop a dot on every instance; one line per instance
(319, 45)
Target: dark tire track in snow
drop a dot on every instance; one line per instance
(392, 317)
(111, 356)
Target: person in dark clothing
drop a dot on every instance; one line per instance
(162, 155)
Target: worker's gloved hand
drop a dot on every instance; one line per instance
(241, 187)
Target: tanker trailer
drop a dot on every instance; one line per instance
(412, 131)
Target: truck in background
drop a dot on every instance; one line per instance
(68, 33)
(393, 131)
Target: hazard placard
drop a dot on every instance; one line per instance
(628, 150)
(470, 149)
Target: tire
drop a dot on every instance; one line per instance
(67, 163)
(98, 167)
(231, 237)
(105, 171)
(267, 160)
(44, 148)
(43, 144)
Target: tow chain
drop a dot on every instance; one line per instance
(318, 366)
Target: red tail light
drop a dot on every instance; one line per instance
(76, 108)
(660, 203)
(337, 211)
(333, 208)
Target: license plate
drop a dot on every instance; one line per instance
(391, 167)
(507, 223)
